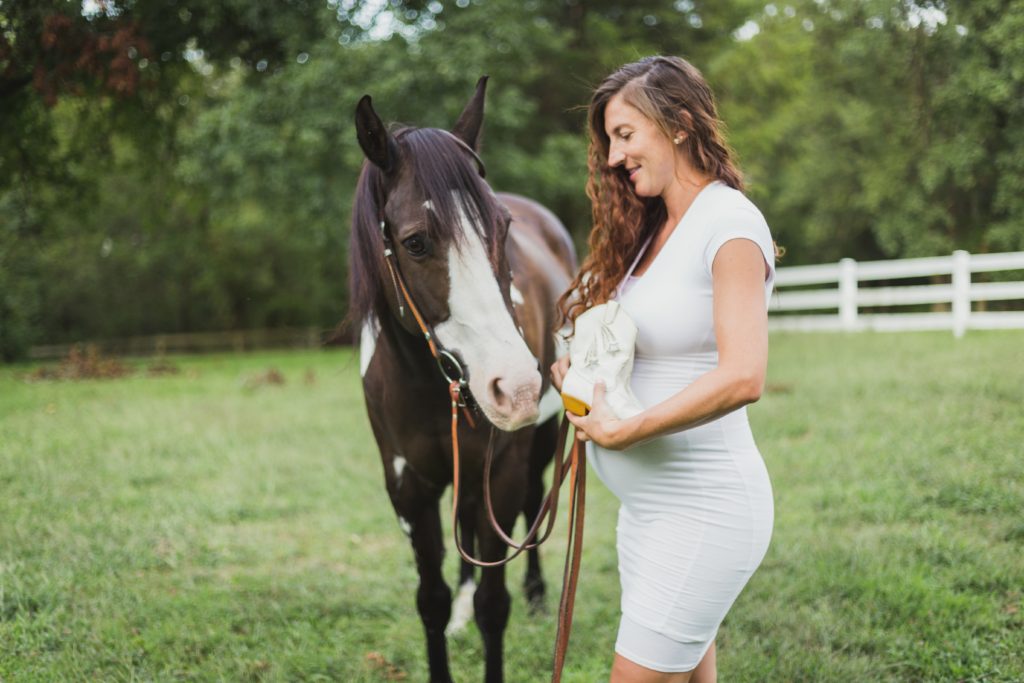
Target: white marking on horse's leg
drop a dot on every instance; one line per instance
(517, 296)
(550, 405)
(462, 608)
(367, 344)
(399, 464)
(406, 527)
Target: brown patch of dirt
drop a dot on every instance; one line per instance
(377, 662)
(79, 364)
(270, 376)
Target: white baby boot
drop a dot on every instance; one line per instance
(601, 349)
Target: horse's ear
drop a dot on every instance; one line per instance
(467, 128)
(378, 144)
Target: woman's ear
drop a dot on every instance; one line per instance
(687, 121)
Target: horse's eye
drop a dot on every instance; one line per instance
(415, 245)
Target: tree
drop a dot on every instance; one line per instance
(884, 129)
(76, 84)
(172, 165)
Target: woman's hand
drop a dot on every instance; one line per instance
(601, 425)
(558, 370)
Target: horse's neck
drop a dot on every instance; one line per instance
(410, 351)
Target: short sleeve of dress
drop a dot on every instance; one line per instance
(740, 222)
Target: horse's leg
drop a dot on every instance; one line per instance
(492, 602)
(462, 608)
(416, 501)
(542, 448)
(433, 597)
(467, 525)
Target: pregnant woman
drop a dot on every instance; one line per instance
(691, 260)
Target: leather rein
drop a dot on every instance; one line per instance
(458, 390)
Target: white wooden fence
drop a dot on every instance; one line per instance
(848, 297)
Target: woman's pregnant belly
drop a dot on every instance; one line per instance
(693, 472)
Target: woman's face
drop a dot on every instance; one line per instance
(638, 145)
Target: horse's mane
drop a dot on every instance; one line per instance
(448, 178)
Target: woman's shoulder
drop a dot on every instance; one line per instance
(727, 202)
(731, 214)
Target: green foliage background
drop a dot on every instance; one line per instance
(215, 192)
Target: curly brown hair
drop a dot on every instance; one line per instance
(673, 94)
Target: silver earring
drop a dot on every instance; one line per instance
(678, 139)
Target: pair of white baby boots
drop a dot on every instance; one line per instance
(601, 349)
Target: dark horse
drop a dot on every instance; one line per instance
(484, 270)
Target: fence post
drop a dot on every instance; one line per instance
(961, 291)
(848, 294)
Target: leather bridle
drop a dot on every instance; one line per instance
(456, 375)
(447, 362)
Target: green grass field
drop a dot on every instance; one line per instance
(197, 527)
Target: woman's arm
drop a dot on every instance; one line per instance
(741, 328)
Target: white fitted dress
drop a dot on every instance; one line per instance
(697, 512)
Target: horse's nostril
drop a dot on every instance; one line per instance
(499, 397)
(514, 399)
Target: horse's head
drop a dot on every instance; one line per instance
(448, 231)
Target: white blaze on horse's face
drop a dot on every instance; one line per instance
(503, 375)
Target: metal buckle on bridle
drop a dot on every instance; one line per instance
(457, 375)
